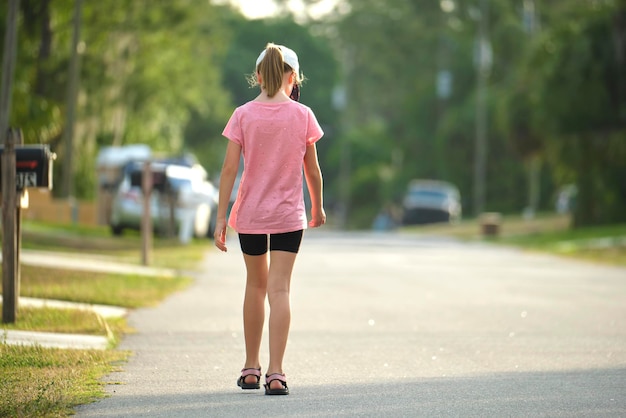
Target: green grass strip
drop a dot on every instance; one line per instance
(47, 382)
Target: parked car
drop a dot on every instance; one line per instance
(183, 196)
(431, 201)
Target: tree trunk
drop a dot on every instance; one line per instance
(45, 47)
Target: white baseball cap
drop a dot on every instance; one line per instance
(289, 56)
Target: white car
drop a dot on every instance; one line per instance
(431, 201)
(185, 191)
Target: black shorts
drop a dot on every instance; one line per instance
(256, 244)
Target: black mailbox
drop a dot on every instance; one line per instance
(159, 179)
(33, 165)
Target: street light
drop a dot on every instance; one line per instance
(531, 25)
(72, 92)
(340, 98)
(444, 75)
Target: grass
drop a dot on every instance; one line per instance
(546, 233)
(46, 382)
(126, 290)
(68, 321)
(603, 244)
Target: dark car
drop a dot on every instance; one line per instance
(431, 201)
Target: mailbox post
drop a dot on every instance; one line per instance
(147, 184)
(10, 261)
(149, 178)
(21, 167)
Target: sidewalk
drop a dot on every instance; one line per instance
(56, 340)
(87, 263)
(73, 262)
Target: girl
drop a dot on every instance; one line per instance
(277, 137)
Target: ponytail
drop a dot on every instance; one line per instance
(272, 68)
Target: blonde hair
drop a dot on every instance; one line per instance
(272, 69)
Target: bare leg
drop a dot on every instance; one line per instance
(254, 309)
(278, 286)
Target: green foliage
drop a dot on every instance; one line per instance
(579, 104)
(548, 85)
(396, 51)
(375, 165)
(146, 68)
(169, 73)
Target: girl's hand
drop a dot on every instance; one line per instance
(318, 218)
(220, 235)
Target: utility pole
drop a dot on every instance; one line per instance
(72, 93)
(340, 104)
(8, 66)
(10, 283)
(534, 161)
(483, 66)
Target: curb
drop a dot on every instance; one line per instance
(104, 311)
(55, 340)
(60, 340)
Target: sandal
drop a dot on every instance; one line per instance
(249, 372)
(272, 377)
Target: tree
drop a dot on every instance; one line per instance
(578, 105)
(396, 51)
(147, 67)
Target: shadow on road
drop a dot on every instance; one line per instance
(597, 393)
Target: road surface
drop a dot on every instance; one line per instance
(390, 325)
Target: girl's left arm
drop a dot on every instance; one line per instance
(315, 184)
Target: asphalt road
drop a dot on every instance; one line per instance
(389, 325)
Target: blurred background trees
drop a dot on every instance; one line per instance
(394, 84)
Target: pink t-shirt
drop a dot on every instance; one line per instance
(273, 137)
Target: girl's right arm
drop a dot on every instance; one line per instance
(314, 181)
(227, 180)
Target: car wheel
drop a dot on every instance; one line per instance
(212, 222)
